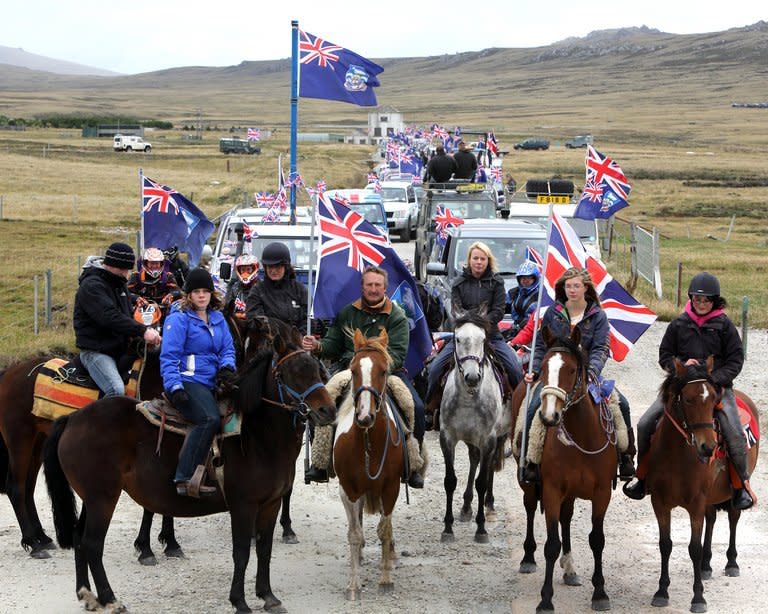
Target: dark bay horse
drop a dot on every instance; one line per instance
(683, 471)
(108, 447)
(584, 469)
(368, 456)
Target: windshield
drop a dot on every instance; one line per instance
(584, 228)
(473, 209)
(371, 212)
(508, 251)
(393, 194)
(299, 247)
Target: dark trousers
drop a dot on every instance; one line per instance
(203, 412)
(420, 425)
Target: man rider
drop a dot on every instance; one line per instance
(102, 317)
(466, 163)
(154, 282)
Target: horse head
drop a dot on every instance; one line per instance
(470, 338)
(563, 375)
(370, 366)
(690, 397)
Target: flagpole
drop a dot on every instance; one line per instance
(310, 289)
(141, 211)
(536, 313)
(294, 110)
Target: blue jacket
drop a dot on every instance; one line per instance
(594, 330)
(193, 351)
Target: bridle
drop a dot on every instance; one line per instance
(568, 398)
(298, 403)
(460, 360)
(685, 429)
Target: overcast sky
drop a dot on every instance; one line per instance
(142, 35)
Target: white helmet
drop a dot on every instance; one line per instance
(247, 260)
(153, 254)
(206, 255)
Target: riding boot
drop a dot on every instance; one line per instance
(635, 489)
(626, 459)
(532, 472)
(315, 474)
(416, 480)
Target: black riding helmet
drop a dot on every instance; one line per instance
(704, 284)
(276, 253)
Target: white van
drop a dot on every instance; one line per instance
(401, 206)
(130, 143)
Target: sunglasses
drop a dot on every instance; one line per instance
(702, 299)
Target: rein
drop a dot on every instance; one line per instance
(686, 430)
(300, 404)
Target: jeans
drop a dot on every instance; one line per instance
(203, 412)
(103, 371)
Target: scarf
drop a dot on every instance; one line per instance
(701, 320)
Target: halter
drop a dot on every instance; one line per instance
(566, 397)
(460, 360)
(300, 405)
(687, 430)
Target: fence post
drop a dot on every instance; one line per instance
(48, 298)
(632, 257)
(656, 262)
(679, 284)
(35, 308)
(1, 206)
(744, 323)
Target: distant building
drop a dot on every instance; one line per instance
(110, 130)
(382, 122)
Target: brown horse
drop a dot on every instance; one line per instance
(368, 456)
(584, 469)
(683, 471)
(108, 447)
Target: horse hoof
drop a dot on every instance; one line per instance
(545, 608)
(39, 554)
(699, 607)
(660, 602)
(174, 553)
(243, 609)
(571, 579)
(115, 608)
(447, 538)
(276, 609)
(732, 572)
(148, 561)
(490, 515)
(482, 538)
(290, 539)
(526, 567)
(47, 544)
(352, 594)
(386, 588)
(601, 605)
(706, 574)
(465, 516)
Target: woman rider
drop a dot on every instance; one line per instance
(477, 285)
(197, 355)
(247, 271)
(702, 330)
(522, 299)
(577, 305)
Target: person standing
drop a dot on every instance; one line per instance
(466, 163)
(440, 168)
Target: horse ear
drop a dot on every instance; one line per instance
(576, 335)
(384, 336)
(457, 312)
(482, 311)
(710, 363)
(680, 368)
(547, 335)
(358, 339)
(279, 344)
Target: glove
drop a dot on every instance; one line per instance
(167, 300)
(225, 381)
(180, 399)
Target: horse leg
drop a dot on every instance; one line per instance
(94, 534)
(710, 516)
(167, 536)
(142, 543)
(265, 531)
(289, 537)
(570, 577)
(384, 531)
(481, 484)
(528, 564)
(551, 552)
(732, 567)
(449, 483)
(41, 541)
(600, 599)
(355, 540)
(474, 461)
(698, 603)
(243, 522)
(82, 582)
(663, 518)
(490, 509)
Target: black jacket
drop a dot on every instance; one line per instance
(285, 300)
(180, 270)
(440, 168)
(102, 317)
(466, 165)
(469, 292)
(717, 337)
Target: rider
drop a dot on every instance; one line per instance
(197, 356)
(247, 271)
(179, 268)
(280, 295)
(102, 317)
(479, 284)
(578, 305)
(154, 282)
(522, 299)
(371, 313)
(702, 330)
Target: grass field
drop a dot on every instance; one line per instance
(65, 197)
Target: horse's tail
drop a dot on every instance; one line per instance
(59, 490)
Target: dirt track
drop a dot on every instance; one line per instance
(431, 576)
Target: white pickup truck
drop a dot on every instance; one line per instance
(130, 143)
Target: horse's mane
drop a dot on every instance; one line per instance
(673, 384)
(373, 343)
(252, 379)
(571, 346)
(473, 317)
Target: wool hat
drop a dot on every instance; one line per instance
(198, 279)
(120, 256)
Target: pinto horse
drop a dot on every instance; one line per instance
(683, 471)
(108, 447)
(584, 468)
(368, 456)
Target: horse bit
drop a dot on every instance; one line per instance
(300, 404)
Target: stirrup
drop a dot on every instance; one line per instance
(634, 490)
(741, 499)
(626, 467)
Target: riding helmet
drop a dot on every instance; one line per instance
(276, 253)
(704, 284)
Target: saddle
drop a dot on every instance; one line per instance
(63, 386)
(750, 427)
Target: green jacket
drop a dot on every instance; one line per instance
(337, 345)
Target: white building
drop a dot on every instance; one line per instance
(384, 121)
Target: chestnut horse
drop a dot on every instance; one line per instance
(583, 469)
(683, 471)
(108, 447)
(368, 456)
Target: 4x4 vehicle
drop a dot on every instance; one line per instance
(532, 143)
(235, 144)
(130, 143)
(581, 140)
(401, 207)
(465, 200)
(507, 240)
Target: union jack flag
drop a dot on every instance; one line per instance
(322, 186)
(315, 48)
(445, 219)
(497, 174)
(593, 192)
(439, 132)
(272, 216)
(606, 189)
(377, 186)
(239, 305)
(254, 134)
(248, 232)
(161, 195)
(281, 201)
(372, 177)
(534, 256)
(492, 145)
(264, 199)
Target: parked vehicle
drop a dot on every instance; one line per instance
(368, 204)
(235, 144)
(581, 140)
(533, 143)
(401, 207)
(130, 143)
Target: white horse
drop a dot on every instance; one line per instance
(472, 410)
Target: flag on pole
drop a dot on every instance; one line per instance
(170, 219)
(606, 189)
(254, 134)
(348, 244)
(331, 72)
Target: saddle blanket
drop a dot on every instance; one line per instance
(56, 395)
(161, 414)
(749, 426)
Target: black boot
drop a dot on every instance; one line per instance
(635, 490)
(415, 480)
(315, 474)
(741, 499)
(532, 472)
(626, 467)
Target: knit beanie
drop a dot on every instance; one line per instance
(198, 279)
(120, 256)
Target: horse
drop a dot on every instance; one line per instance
(368, 456)
(108, 447)
(472, 410)
(22, 435)
(684, 471)
(583, 467)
